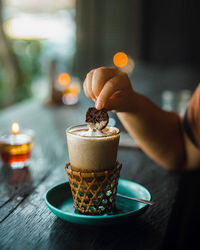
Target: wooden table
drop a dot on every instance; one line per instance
(27, 223)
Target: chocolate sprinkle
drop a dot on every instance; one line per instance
(97, 119)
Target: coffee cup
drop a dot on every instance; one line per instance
(92, 150)
(94, 172)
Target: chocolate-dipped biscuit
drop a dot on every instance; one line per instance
(96, 119)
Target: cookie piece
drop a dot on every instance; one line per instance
(97, 119)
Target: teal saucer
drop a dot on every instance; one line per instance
(60, 202)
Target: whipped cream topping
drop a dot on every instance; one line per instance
(94, 132)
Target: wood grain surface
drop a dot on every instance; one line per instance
(25, 220)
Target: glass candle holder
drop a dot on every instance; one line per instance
(15, 150)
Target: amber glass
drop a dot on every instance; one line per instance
(16, 154)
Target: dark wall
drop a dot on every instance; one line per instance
(171, 31)
(156, 31)
(105, 27)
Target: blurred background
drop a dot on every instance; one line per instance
(160, 38)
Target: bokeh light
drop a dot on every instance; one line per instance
(64, 79)
(120, 59)
(129, 67)
(71, 94)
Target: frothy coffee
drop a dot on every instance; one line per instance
(95, 132)
(92, 150)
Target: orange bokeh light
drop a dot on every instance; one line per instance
(71, 94)
(120, 59)
(64, 79)
(72, 89)
(15, 128)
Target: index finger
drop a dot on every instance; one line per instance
(100, 77)
(108, 90)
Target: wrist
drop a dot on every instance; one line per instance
(129, 103)
(133, 102)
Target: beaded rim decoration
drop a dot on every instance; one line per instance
(94, 192)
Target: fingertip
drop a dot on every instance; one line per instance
(98, 104)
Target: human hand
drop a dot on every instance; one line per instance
(109, 88)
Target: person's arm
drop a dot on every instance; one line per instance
(159, 133)
(192, 154)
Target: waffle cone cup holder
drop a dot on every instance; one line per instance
(94, 192)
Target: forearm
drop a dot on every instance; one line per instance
(158, 132)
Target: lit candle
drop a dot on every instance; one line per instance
(15, 148)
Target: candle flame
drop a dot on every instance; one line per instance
(15, 128)
(120, 59)
(64, 79)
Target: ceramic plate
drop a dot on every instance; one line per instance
(60, 202)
